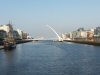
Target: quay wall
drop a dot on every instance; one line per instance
(1, 42)
(17, 42)
(23, 41)
(84, 42)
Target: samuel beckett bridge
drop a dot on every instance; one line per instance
(59, 38)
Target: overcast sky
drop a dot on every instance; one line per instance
(64, 16)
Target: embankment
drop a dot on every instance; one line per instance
(17, 42)
(23, 41)
(84, 42)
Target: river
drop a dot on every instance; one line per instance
(50, 58)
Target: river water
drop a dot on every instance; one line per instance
(50, 58)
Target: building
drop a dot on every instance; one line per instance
(8, 28)
(90, 35)
(3, 34)
(16, 34)
(74, 35)
(97, 34)
(63, 36)
(4, 28)
(69, 35)
(80, 34)
(80, 29)
(97, 31)
(20, 33)
(25, 35)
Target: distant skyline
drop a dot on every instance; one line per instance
(64, 16)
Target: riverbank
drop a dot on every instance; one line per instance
(17, 42)
(23, 41)
(84, 42)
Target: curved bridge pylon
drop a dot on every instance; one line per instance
(59, 38)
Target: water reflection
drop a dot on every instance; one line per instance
(8, 50)
(9, 54)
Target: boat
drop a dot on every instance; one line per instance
(9, 44)
(9, 41)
